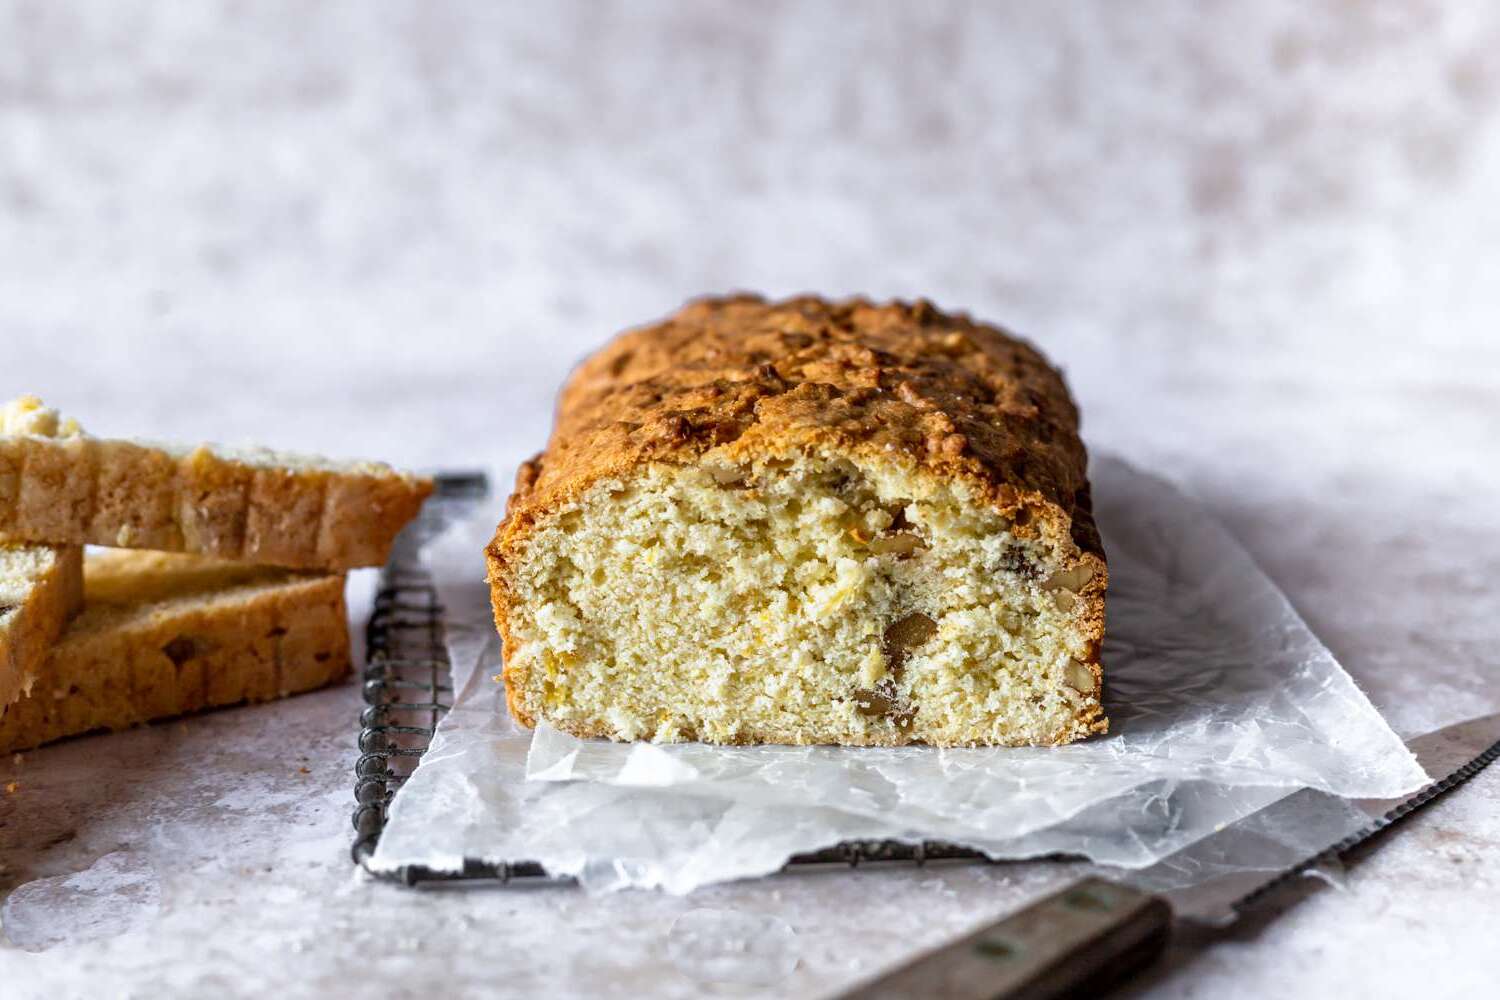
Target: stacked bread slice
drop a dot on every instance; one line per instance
(225, 583)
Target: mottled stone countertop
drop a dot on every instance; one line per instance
(1263, 241)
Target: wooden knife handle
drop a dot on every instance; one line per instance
(1078, 940)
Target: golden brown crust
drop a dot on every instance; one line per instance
(31, 621)
(86, 491)
(956, 398)
(201, 634)
(898, 383)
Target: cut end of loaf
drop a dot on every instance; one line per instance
(803, 599)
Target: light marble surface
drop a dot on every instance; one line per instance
(1264, 240)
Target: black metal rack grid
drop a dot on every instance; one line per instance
(407, 691)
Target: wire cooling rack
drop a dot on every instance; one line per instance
(408, 690)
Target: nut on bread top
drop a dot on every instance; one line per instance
(29, 415)
(905, 382)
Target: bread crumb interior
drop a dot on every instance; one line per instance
(803, 600)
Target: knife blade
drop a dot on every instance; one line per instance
(1100, 929)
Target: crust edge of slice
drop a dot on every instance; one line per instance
(47, 590)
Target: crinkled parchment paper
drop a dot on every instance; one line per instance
(1220, 700)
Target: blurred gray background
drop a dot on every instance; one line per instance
(1263, 239)
(338, 220)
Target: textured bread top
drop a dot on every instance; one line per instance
(898, 382)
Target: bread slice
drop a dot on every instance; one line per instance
(162, 635)
(41, 587)
(258, 506)
(807, 522)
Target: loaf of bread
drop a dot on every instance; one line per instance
(162, 635)
(61, 487)
(41, 587)
(807, 522)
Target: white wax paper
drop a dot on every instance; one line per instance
(1220, 700)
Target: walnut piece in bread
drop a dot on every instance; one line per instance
(807, 522)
